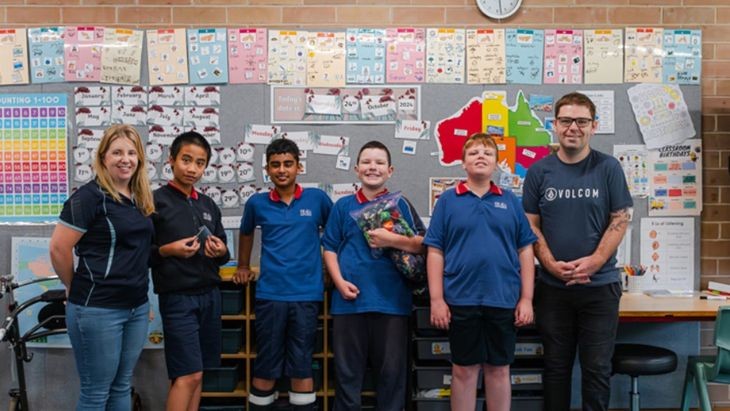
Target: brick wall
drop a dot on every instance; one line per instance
(712, 16)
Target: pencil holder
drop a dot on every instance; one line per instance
(635, 284)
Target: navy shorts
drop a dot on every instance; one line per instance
(479, 335)
(285, 334)
(192, 327)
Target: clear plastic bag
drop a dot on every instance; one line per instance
(383, 212)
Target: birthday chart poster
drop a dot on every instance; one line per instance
(33, 180)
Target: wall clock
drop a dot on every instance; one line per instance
(499, 9)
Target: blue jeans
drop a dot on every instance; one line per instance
(107, 343)
(583, 319)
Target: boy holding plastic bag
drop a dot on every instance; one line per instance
(373, 300)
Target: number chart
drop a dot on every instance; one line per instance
(33, 176)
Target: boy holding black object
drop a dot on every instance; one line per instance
(480, 277)
(290, 288)
(189, 247)
(373, 303)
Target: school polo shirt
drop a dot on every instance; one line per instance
(480, 238)
(291, 257)
(382, 288)
(113, 251)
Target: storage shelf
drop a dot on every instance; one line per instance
(239, 392)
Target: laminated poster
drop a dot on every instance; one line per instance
(524, 50)
(605, 111)
(661, 113)
(13, 57)
(485, 56)
(247, 56)
(406, 55)
(45, 49)
(634, 161)
(33, 157)
(563, 57)
(207, 56)
(365, 56)
(675, 179)
(604, 56)
(326, 59)
(682, 56)
(667, 252)
(121, 56)
(287, 57)
(167, 57)
(643, 59)
(82, 53)
(445, 55)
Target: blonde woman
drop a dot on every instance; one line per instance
(107, 221)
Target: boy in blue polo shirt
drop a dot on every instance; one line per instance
(480, 277)
(185, 271)
(371, 308)
(290, 287)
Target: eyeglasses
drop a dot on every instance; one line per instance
(582, 122)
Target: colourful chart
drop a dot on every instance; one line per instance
(33, 176)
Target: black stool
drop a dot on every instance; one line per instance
(638, 359)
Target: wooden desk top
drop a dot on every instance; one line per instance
(640, 307)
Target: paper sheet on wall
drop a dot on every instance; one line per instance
(326, 59)
(682, 56)
(13, 57)
(45, 49)
(287, 57)
(121, 56)
(667, 251)
(167, 57)
(207, 56)
(604, 56)
(365, 56)
(406, 55)
(675, 179)
(82, 53)
(445, 55)
(605, 109)
(485, 53)
(524, 51)
(634, 162)
(643, 58)
(247, 56)
(563, 57)
(33, 131)
(662, 114)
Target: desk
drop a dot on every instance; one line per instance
(643, 308)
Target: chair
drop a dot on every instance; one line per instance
(638, 359)
(704, 369)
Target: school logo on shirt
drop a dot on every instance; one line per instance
(305, 212)
(207, 216)
(552, 193)
(500, 204)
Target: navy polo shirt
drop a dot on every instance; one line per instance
(382, 288)
(291, 257)
(113, 251)
(480, 238)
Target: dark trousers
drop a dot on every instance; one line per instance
(381, 338)
(585, 318)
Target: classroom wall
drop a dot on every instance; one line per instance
(712, 16)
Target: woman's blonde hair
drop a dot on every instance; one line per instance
(139, 185)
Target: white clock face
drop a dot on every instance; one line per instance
(499, 9)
